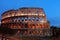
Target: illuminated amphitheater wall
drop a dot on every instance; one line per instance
(25, 18)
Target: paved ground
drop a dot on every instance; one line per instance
(31, 38)
(39, 38)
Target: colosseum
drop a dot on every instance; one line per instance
(26, 20)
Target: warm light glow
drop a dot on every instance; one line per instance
(25, 14)
(29, 14)
(43, 21)
(43, 14)
(8, 15)
(40, 14)
(18, 14)
(12, 14)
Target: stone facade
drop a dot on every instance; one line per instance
(27, 20)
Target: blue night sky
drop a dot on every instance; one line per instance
(51, 8)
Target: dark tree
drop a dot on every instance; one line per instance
(55, 31)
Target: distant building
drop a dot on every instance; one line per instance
(26, 20)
